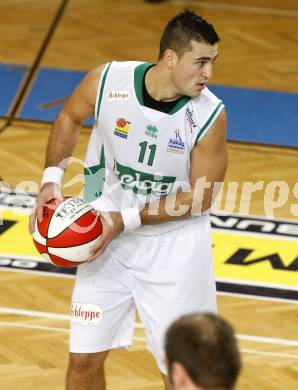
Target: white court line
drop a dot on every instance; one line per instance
(10, 256)
(267, 340)
(39, 273)
(242, 8)
(138, 338)
(265, 353)
(34, 313)
(280, 237)
(138, 325)
(238, 295)
(256, 297)
(257, 284)
(245, 350)
(31, 326)
(216, 213)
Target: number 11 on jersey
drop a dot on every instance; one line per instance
(143, 145)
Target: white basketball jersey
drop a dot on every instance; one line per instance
(137, 154)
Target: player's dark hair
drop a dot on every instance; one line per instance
(205, 345)
(182, 29)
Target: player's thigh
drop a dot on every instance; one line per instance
(176, 271)
(179, 281)
(102, 310)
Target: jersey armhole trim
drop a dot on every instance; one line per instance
(209, 122)
(100, 90)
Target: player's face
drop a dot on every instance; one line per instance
(193, 70)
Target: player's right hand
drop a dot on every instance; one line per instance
(112, 223)
(47, 192)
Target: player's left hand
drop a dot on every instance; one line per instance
(113, 225)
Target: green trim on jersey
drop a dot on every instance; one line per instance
(209, 121)
(138, 81)
(101, 89)
(181, 103)
(94, 179)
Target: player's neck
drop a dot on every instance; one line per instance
(159, 86)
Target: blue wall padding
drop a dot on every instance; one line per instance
(11, 77)
(260, 116)
(46, 96)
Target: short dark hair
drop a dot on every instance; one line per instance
(182, 29)
(206, 346)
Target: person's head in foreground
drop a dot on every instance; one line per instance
(202, 353)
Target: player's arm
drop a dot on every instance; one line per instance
(63, 138)
(79, 106)
(208, 166)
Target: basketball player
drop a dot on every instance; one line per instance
(202, 353)
(156, 151)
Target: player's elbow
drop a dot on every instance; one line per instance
(65, 119)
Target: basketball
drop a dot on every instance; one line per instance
(67, 231)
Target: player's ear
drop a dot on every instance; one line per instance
(179, 375)
(171, 58)
(181, 379)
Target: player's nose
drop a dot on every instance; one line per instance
(207, 70)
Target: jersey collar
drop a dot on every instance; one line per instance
(138, 80)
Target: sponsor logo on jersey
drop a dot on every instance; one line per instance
(191, 118)
(122, 128)
(151, 131)
(118, 96)
(86, 314)
(144, 183)
(176, 145)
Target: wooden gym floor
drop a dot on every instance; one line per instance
(258, 50)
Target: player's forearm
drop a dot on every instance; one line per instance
(62, 140)
(181, 205)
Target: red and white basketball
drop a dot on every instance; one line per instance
(67, 231)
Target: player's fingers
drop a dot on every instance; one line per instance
(97, 253)
(98, 249)
(32, 222)
(39, 208)
(95, 250)
(41, 201)
(104, 240)
(94, 257)
(58, 195)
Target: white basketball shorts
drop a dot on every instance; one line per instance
(163, 276)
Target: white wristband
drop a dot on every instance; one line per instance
(52, 175)
(131, 218)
